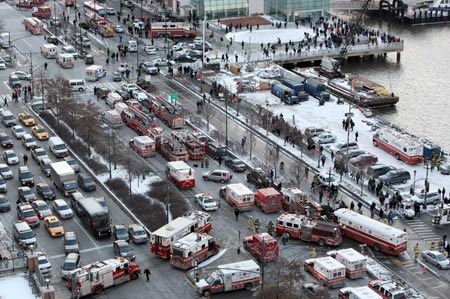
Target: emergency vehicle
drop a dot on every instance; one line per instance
(200, 137)
(262, 246)
(402, 146)
(144, 146)
(95, 277)
(42, 12)
(65, 60)
(172, 149)
(161, 239)
(137, 120)
(49, 51)
(380, 236)
(308, 230)
(34, 25)
(268, 200)
(443, 214)
(195, 150)
(355, 263)
(292, 198)
(155, 132)
(172, 29)
(387, 289)
(94, 72)
(239, 196)
(181, 174)
(230, 277)
(69, 2)
(170, 114)
(29, 3)
(358, 293)
(99, 24)
(192, 249)
(327, 270)
(112, 118)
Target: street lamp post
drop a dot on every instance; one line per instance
(414, 183)
(54, 21)
(349, 118)
(266, 166)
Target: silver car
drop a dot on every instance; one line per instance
(123, 249)
(62, 209)
(6, 172)
(218, 175)
(436, 258)
(71, 243)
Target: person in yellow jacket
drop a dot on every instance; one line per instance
(313, 253)
(251, 223)
(416, 252)
(432, 246)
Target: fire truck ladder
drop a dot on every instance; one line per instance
(144, 119)
(172, 109)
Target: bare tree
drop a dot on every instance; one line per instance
(209, 111)
(91, 119)
(298, 172)
(58, 91)
(274, 156)
(252, 138)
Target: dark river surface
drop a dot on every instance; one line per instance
(421, 79)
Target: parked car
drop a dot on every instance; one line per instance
(163, 62)
(375, 171)
(53, 40)
(10, 157)
(150, 50)
(41, 208)
(129, 87)
(206, 201)
(128, 4)
(118, 29)
(43, 263)
(117, 76)
(259, 178)
(327, 179)
(364, 160)
(341, 147)
(5, 206)
(137, 233)
(89, 59)
(445, 169)
(22, 75)
(123, 249)
(120, 232)
(71, 243)
(62, 209)
(314, 131)
(6, 172)
(149, 68)
(86, 183)
(102, 92)
(236, 165)
(324, 138)
(436, 258)
(111, 11)
(45, 191)
(395, 176)
(25, 194)
(218, 175)
(185, 58)
(53, 226)
(433, 197)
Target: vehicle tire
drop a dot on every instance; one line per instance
(377, 247)
(439, 266)
(397, 156)
(98, 289)
(248, 286)
(207, 294)
(80, 89)
(322, 242)
(222, 181)
(135, 276)
(205, 178)
(322, 282)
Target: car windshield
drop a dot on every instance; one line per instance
(43, 207)
(60, 146)
(11, 155)
(43, 261)
(68, 266)
(440, 257)
(87, 180)
(4, 169)
(27, 175)
(19, 130)
(3, 200)
(63, 207)
(54, 224)
(29, 140)
(29, 213)
(4, 138)
(46, 189)
(71, 241)
(121, 231)
(70, 186)
(40, 130)
(125, 249)
(27, 192)
(27, 234)
(139, 232)
(208, 200)
(27, 116)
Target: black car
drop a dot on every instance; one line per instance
(124, 94)
(45, 191)
(395, 176)
(236, 165)
(102, 92)
(53, 40)
(26, 178)
(216, 151)
(88, 59)
(5, 140)
(258, 178)
(86, 182)
(185, 58)
(378, 170)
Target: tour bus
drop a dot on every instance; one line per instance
(94, 217)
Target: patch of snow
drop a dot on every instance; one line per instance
(13, 287)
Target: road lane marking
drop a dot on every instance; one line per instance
(82, 251)
(85, 231)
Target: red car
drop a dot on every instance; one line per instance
(364, 160)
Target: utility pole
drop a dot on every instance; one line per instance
(31, 73)
(203, 41)
(426, 183)
(251, 137)
(167, 197)
(349, 117)
(267, 140)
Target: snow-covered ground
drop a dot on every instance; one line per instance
(14, 287)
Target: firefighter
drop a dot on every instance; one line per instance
(236, 213)
(206, 163)
(257, 225)
(416, 252)
(270, 228)
(432, 246)
(314, 253)
(285, 238)
(251, 223)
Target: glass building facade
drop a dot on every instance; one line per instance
(217, 9)
(292, 10)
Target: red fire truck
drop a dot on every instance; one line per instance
(155, 132)
(95, 277)
(200, 137)
(268, 200)
(137, 120)
(42, 12)
(326, 270)
(195, 150)
(170, 114)
(34, 25)
(292, 199)
(143, 145)
(358, 293)
(262, 246)
(300, 227)
(380, 236)
(172, 29)
(191, 250)
(29, 3)
(402, 146)
(354, 262)
(181, 174)
(161, 239)
(172, 149)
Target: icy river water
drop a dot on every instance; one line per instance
(421, 79)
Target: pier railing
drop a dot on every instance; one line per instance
(317, 54)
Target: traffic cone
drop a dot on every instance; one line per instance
(424, 269)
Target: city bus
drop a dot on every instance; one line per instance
(94, 217)
(99, 10)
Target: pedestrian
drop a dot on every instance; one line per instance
(314, 253)
(332, 156)
(356, 136)
(352, 206)
(372, 209)
(343, 124)
(306, 172)
(25, 159)
(257, 225)
(206, 163)
(320, 195)
(285, 238)
(381, 214)
(416, 252)
(251, 223)
(323, 158)
(220, 161)
(390, 217)
(236, 213)
(45, 66)
(107, 61)
(147, 274)
(5, 102)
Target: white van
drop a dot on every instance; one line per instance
(66, 61)
(112, 99)
(95, 72)
(49, 51)
(8, 119)
(112, 118)
(57, 147)
(70, 50)
(132, 46)
(77, 84)
(24, 235)
(120, 107)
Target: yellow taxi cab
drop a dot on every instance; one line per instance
(39, 132)
(26, 119)
(54, 226)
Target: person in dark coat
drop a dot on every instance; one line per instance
(147, 274)
(236, 213)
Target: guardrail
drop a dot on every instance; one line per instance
(13, 264)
